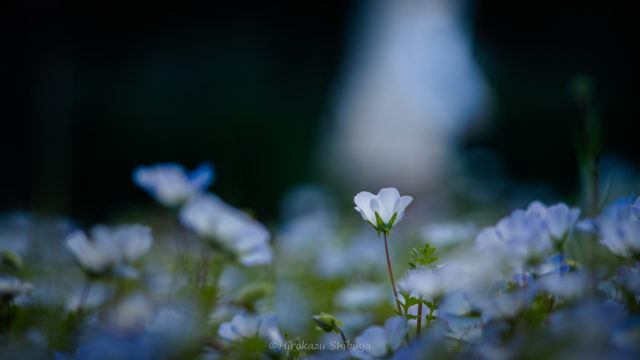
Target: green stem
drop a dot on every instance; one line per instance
(83, 297)
(431, 309)
(344, 339)
(393, 283)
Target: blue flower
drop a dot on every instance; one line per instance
(619, 227)
(636, 208)
(529, 234)
(378, 341)
(170, 184)
(246, 326)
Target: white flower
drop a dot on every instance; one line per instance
(213, 219)
(378, 341)
(246, 326)
(382, 210)
(11, 286)
(170, 184)
(111, 248)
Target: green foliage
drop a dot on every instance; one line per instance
(408, 302)
(423, 257)
(253, 292)
(293, 351)
(250, 348)
(432, 306)
(10, 262)
(380, 225)
(327, 322)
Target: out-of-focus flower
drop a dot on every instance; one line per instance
(448, 233)
(557, 219)
(466, 329)
(298, 239)
(216, 221)
(597, 326)
(361, 295)
(427, 283)
(504, 306)
(378, 341)
(356, 257)
(384, 210)
(131, 315)
(11, 286)
(526, 235)
(96, 296)
(618, 227)
(112, 249)
(412, 89)
(307, 200)
(556, 263)
(564, 286)
(170, 183)
(432, 284)
(246, 326)
(629, 278)
(636, 208)
(521, 278)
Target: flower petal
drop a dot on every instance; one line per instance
(387, 198)
(363, 203)
(374, 205)
(400, 205)
(395, 329)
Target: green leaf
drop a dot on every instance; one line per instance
(381, 223)
(373, 226)
(326, 322)
(10, 261)
(422, 257)
(393, 219)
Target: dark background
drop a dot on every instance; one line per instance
(93, 90)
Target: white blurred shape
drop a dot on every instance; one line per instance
(412, 87)
(361, 295)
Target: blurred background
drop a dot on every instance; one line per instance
(423, 95)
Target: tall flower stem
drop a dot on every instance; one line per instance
(83, 297)
(344, 340)
(393, 283)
